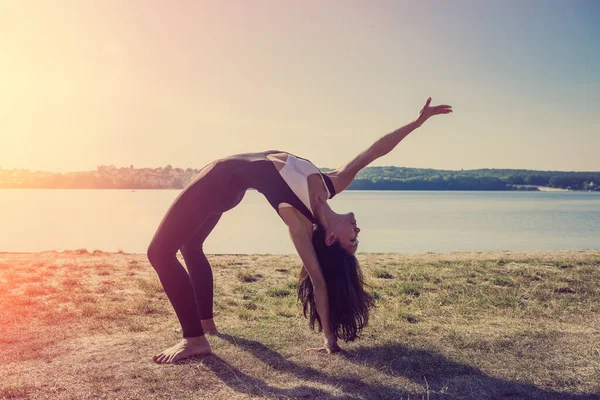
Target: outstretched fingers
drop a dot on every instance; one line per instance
(442, 109)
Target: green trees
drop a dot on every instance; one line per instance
(399, 178)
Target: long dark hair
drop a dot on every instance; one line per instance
(349, 303)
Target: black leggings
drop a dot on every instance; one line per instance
(187, 223)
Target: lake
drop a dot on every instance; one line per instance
(34, 220)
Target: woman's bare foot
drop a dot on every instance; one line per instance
(208, 325)
(196, 346)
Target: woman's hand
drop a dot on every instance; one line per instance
(427, 111)
(331, 346)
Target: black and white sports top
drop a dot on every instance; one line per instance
(285, 188)
(295, 173)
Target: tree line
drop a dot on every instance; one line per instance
(399, 178)
(370, 178)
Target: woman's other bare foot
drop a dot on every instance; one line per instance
(196, 346)
(209, 327)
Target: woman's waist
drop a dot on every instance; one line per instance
(252, 170)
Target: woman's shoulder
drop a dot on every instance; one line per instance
(332, 181)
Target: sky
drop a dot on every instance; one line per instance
(145, 83)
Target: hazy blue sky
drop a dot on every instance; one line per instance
(149, 83)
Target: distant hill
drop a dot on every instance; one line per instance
(370, 178)
(399, 178)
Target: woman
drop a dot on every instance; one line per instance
(330, 285)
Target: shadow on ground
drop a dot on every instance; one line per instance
(450, 377)
(445, 378)
(351, 386)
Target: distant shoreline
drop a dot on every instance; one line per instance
(369, 178)
(529, 189)
(491, 254)
(551, 189)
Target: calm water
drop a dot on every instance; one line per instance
(390, 221)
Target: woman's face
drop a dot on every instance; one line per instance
(346, 232)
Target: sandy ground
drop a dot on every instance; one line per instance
(551, 189)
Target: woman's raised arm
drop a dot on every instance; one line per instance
(343, 176)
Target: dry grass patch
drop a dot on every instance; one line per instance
(77, 324)
(247, 277)
(383, 274)
(279, 292)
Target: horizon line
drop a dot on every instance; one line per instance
(321, 168)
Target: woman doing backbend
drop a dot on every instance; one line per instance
(330, 284)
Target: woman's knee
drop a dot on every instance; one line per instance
(191, 251)
(158, 255)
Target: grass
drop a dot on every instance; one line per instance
(84, 325)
